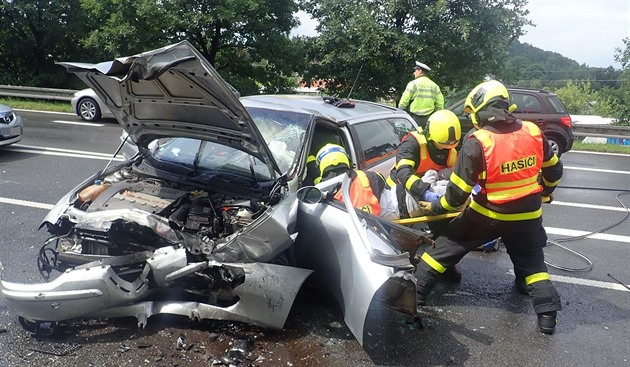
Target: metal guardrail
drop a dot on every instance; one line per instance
(604, 131)
(37, 93)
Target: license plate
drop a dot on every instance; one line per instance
(10, 131)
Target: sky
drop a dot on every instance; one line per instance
(587, 31)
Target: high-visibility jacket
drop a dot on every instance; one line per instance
(513, 163)
(422, 96)
(365, 191)
(420, 163)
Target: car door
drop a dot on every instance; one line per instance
(357, 257)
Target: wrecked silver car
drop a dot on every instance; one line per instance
(208, 220)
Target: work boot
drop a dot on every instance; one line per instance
(453, 274)
(521, 286)
(547, 322)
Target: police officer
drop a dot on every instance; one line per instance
(515, 167)
(421, 96)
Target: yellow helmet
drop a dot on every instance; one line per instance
(482, 96)
(331, 158)
(444, 129)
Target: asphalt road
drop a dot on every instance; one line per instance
(482, 321)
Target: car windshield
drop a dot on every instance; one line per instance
(283, 132)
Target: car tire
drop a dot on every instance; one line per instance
(556, 145)
(88, 109)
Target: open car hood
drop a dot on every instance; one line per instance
(173, 91)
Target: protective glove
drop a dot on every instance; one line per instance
(547, 198)
(426, 208)
(429, 195)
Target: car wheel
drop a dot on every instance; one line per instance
(556, 145)
(88, 109)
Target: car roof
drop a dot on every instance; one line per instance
(534, 90)
(316, 106)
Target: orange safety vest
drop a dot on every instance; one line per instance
(426, 163)
(513, 162)
(362, 195)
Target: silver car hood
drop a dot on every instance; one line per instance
(173, 91)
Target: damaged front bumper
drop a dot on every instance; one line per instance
(99, 289)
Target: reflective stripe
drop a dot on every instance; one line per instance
(411, 181)
(505, 217)
(459, 182)
(526, 181)
(538, 277)
(445, 204)
(405, 162)
(506, 194)
(552, 162)
(551, 184)
(432, 263)
(390, 182)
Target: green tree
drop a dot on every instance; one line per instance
(460, 40)
(622, 100)
(247, 41)
(34, 35)
(577, 97)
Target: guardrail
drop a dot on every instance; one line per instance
(602, 131)
(37, 93)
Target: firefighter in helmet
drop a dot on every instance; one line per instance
(330, 161)
(515, 168)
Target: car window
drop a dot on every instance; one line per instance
(526, 103)
(557, 105)
(402, 126)
(378, 139)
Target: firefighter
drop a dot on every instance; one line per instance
(420, 151)
(515, 168)
(330, 161)
(421, 96)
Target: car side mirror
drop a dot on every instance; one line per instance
(310, 195)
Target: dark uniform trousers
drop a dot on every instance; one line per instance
(524, 241)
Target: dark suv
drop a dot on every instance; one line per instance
(538, 106)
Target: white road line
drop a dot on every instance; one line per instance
(589, 206)
(77, 123)
(30, 204)
(600, 153)
(65, 154)
(61, 150)
(595, 236)
(586, 282)
(597, 170)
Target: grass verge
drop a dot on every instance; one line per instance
(41, 105)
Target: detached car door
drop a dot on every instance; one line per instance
(356, 256)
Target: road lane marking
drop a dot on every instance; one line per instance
(595, 236)
(77, 123)
(30, 204)
(597, 170)
(586, 282)
(62, 152)
(600, 153)
(589, 206)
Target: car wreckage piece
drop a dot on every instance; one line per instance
(147, 237)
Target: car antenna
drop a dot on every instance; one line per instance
(355, 82)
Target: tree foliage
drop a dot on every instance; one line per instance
(34, 35)
(247, 41)
(460, 40)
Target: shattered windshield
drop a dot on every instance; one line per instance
(283, 132)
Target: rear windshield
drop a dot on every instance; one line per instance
(557, 105)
